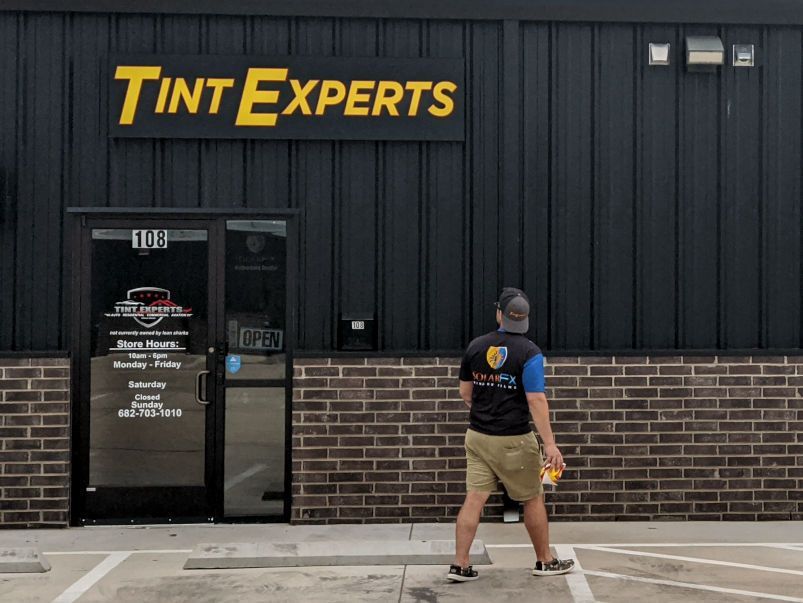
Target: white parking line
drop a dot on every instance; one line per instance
(762, 568)
(578, 585)
(683, 544)
(82, 585)
(716, 589)
(652, 544)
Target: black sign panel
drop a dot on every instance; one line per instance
(194, 96)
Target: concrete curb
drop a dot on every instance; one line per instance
(327, 553)
(23, 560)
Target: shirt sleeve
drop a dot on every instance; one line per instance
(533, 375)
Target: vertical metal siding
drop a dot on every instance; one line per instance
(642, 207)
(740, 200)
(536, 172)
(572, 193)
(399, 278)
(655, 240)
(316, 195)
(614, 201)
(445, 306)
(9, 162)
(782, 234)
(41, 134)
(698, 200)
(484, 162)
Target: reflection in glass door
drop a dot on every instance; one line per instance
(256, 368)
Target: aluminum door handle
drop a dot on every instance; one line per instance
(201, 378)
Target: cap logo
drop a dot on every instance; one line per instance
(517, 315)
(496, 356)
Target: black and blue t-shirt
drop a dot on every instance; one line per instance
(503, 367)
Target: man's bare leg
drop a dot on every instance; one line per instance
(537, 523)
(466, 527)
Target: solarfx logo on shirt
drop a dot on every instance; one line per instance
(287, 97)
(496, 356)
(500, 380)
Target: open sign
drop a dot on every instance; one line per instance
(261, 339)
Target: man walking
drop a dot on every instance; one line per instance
(502, 382)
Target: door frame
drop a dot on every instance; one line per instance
(77, 276)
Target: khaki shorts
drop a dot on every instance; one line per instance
(513, 460)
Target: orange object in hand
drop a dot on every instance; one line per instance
(551, 475)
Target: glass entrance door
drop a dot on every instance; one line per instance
(182, 357)
(151, 390)
(256, 475)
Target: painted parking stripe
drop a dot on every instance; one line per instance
(578, 585)
(683, 544)
(716, 589)
(658, 545)
(762, 568)
(82, 585)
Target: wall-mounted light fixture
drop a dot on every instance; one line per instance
(704, 52)
(659, 53)
(744, 55)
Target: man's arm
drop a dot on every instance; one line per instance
(539, 409)
(466, 387)
(534, 386)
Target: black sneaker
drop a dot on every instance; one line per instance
(461, 574)
(554, 567)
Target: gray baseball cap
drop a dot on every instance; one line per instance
(515, 310)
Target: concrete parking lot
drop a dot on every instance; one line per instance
(657, 562)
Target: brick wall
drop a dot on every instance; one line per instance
(381, 439)
(34, 430)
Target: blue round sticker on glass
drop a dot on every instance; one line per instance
(233, 363)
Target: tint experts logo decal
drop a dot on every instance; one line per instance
(496, 356)
(149, 306)
(195, 96)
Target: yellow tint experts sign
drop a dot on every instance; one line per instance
(343, 98)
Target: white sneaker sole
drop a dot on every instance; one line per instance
(552, 572)
(456, 578)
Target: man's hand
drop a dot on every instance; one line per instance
(539, 408)
(553, 457)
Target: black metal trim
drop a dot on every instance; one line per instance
(292, 284)
(180, 213)
(767, 12)
(77, 247)
(145, 521)
(215, 428)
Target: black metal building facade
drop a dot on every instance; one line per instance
(644, 207)
(652, 213)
